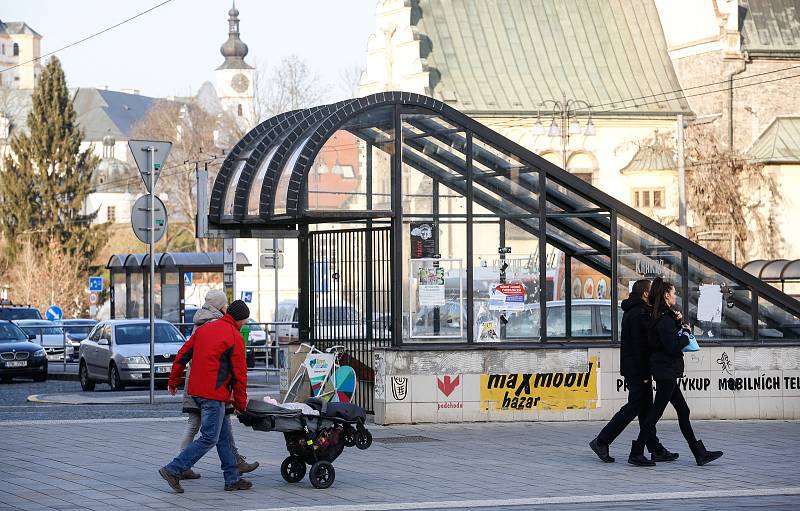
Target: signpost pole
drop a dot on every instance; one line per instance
(152, 225)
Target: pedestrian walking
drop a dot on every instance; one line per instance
(216, 303)
(634, 367)
(666, 343)
(218, 375)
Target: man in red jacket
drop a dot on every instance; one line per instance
(219, 374)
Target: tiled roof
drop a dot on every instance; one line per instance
(779, 143)
(770, 27)
(17, 27)
(651, 158)
(509, 55)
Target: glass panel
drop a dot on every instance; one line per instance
(254, 195)
(381, 177)
(119, 296)
(170, 297)
(589, 289)
(719, 308)
(282, 190)
(337, 179)
(136, 304)
(776, 323)
(505, 285)
(417, 192)
(230, 193)
(561, 197)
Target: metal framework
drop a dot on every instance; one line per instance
(431, 151)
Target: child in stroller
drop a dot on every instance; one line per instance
(315, 440)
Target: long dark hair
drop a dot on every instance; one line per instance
(658, 289)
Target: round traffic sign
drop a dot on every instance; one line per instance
(53, 313)
(140, 219)
(93, 298)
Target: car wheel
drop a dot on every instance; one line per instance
(41, 376)
(87, 384)
(114, 379)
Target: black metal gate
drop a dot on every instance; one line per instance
(351, 298)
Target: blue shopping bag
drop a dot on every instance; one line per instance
(692, 346)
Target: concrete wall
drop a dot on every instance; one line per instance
(580, 384)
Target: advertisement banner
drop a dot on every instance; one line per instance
(431, 285)
(507, 297)
(318, 367)
(533, 391)
(423, 240)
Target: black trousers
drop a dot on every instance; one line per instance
(640, 400)
(667, 391)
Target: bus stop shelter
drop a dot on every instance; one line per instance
(129, 281)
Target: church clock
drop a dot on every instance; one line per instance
(239, 82)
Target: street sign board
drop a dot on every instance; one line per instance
(95, 284)
(269, 245)
(93, 298)
(53, 313)
(142, 151)
(187, 279)
(141, 221)
(271, 260)
(247, 296)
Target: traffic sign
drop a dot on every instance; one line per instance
(247, 296)
(141, 221)
(266, 261)
(93, 298)
(95, 284)
(53, 313)
(142, 151)
(187, 279)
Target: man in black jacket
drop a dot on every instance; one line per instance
(634, 367)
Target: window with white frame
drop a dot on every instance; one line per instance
(647, 198)
(111, 214)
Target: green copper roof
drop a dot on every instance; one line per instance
(508, 55)
(779, 143)
(651, 158)
(770, 27)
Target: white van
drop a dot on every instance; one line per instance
(287, 313)
(335, 322)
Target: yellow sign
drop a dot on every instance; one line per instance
(550, 391)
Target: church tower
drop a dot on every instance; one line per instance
(235, 76)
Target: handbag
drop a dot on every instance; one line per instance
(692, 346)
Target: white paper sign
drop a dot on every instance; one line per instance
(709, 305)
(431, 295)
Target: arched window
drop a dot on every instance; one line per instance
(583, 165)
(16, 50)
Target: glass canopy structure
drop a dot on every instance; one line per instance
(485, 237)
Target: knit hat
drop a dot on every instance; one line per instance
(216, 299)
(238, 310)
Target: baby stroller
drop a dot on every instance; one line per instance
(314, 440)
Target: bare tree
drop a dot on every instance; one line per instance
(44, 278)
(288, 86)
(727, 196)
(196, 135)
(349, 80)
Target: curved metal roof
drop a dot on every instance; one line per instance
(212, 261)
(774, 270)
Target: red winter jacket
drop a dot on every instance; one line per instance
(217, 353)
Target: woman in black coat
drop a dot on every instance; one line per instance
(666, 342)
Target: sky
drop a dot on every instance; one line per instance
(175, 48)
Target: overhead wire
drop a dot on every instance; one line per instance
(107, 29)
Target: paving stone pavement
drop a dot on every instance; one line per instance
(102, 464)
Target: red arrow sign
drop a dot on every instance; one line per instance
(447, 386)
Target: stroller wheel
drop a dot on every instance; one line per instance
(293, 469)
(322, 475)
(349, 437)
(363, 439)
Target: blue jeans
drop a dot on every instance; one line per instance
(214, 430)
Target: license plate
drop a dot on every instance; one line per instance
(163, 369)
(21, 363)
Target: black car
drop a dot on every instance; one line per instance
(19, 356)
(15, 312)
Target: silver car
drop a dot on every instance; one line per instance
(49, 336)
(117, 352)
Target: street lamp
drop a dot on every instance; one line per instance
(567, 111)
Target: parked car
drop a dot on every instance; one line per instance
(15, 312)
(19, 355)
(257, 339)
(76, 330)
(49, 335)
(590, 318)
(117, 352)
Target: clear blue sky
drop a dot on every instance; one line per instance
(174, 49)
